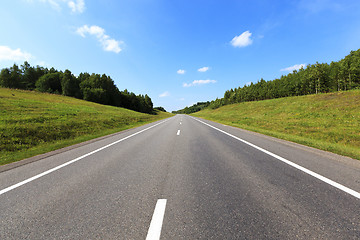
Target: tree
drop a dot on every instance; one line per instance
(320, 77)
(29, 76)
(97, 95)
(70, 85)
(106, 92)
(83, 76)
(160, 109)
(15, 77)
(334, 75)
(343, 74)
(50, 83)
(354, 68)
(5, 78)
(148, 104)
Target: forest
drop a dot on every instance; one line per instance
(194, 108)
(314, 79)
(91, 87)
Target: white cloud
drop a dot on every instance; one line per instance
(292, 68)
(77, 6)
(203, 69)
(8, 54)
(165, 94)
(181, 71)
(242, 40)
(198, 82)
(93, 30)
(109, 44)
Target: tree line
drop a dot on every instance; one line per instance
(91, 87)
(194, 108)
(315, 78)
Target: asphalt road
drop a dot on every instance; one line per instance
(211, 183)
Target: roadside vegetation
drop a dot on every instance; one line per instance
(329, 121)
(313, 79)
(32, 123)
(194, 108)
(91, 87)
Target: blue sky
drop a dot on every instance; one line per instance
(179, 52)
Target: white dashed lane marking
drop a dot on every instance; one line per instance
(157, 220)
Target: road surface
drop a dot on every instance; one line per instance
(183, 178)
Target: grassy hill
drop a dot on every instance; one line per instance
(329, 122)
(32, 123)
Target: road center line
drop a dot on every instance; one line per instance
(316, 175)
(178, 132)
(154, 231)
(74, 160)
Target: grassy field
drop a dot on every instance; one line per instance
(329, 122)
(32, 123)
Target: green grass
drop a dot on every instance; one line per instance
(32, 123)
(329, 122)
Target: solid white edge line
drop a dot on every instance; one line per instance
(178, 132)
(74, 160)
(154, 231)
(314, 174)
